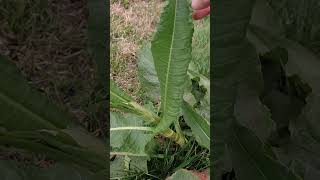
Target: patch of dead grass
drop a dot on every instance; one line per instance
(129, 29)
(51, 52)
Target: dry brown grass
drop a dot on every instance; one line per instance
(129, 29)
(51, 52)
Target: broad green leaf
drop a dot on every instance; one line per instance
(202, 107)
(200, 61)
(300, 20)
(264, 16)
(10, 170)
(129, 135)
(151, 86)
(117, 96)
(136, 164)
(251, 113)
(302, 62)
(148, 75)
(200, 127)
(251, 161)
(231, 54)
(20, 105)
(84, 139)
(306, 69)
(304, 145)
(171, 51)
(23, 108)
(234, 64)
(43, 142)
(122, 101)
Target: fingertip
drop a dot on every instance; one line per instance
(200, 4)
(200, 13)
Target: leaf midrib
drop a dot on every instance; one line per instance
(252, 159)
(136, 128)
(203, 131)
(27, 111)
(119, 97)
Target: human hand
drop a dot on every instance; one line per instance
(201, 7)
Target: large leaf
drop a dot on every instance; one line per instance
(147, 74)
(122, 166)
(10, 170)
(200, 127)
(54, 147)
(151, 86)
(20, 105)
(197, 93)
(229, 50)
(304, 144)
(251, 113)
(129, 135)
(252, 161)
(234, 64)
(120, 100)
(300, 20)
(23, 108)
(171, 51)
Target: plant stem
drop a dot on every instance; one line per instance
(145, 113)
(178, 138)
(169, 133)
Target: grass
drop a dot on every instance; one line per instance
(131, 26)
(201, 46)
(48, 43)
(172, 158)
(47, 40)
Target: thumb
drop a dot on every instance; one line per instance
(199, 14)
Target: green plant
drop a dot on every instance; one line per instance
(265, 96)
(30, 122)
(177, 94)
(32, 126)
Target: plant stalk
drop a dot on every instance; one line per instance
(177, 137)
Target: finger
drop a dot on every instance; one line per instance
(200, 4)
(201, 13)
